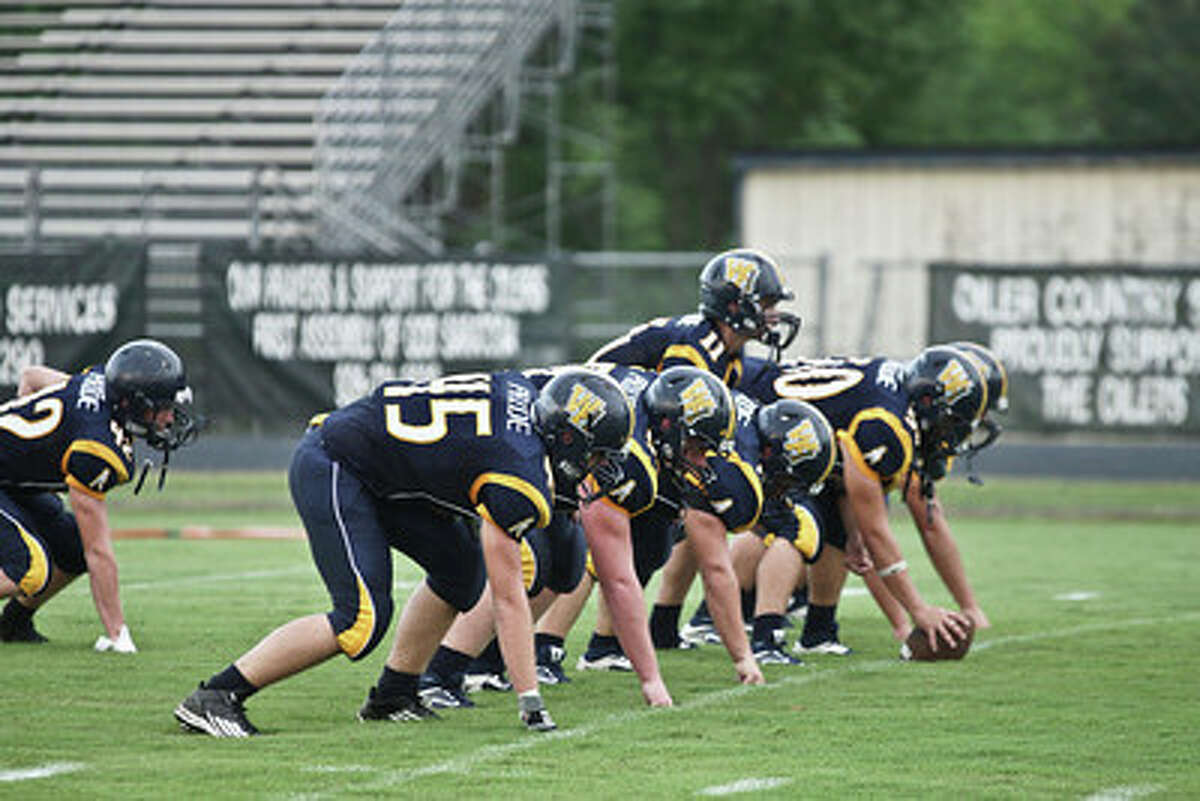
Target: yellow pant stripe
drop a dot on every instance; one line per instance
(354, 639)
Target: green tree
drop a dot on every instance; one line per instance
(1147, 64)
(704, 80)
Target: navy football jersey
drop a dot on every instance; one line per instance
(666, 342)
(64, 436)
(864, 400)
(464, 442)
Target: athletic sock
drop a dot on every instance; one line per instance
(765, 627)
(664, 625)
(394, 684)
(543, 643)
(448, 665)
(233, 680)
(604, 644)
(489, 659)
(819, 625)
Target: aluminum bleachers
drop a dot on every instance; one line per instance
(206, 117)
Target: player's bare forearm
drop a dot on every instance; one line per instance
(940, 545)
(611, 546)
(514, 623)
(37, 377)
(706, 533)
(91, 515)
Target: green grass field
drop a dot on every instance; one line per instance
(1085, 688)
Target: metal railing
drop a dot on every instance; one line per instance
(377, 163)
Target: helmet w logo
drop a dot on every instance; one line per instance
(698, 401)
(802, 443)
(584, 407)
(955, 381)
(743, 273)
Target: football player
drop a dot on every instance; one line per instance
(630, 485)
(401, 468)
(74, 433)
(739, 292)
(792, 446)
(682, 479)
(898, 426)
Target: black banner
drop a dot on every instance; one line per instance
(1109, 349)
(68, 310)
(286, 338)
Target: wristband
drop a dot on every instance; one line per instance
(892, 569)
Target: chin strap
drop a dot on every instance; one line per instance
(778, 341)
(137, 487)
(162, 473)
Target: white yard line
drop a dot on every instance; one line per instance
(744, 786)
(1125, 793)
(40, 771)
(466, 762)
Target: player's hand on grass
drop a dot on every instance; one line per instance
(121, 644)
(748, 670)
(655, 693)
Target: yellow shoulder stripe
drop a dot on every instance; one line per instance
(537, 498)
(99, 450)
(687, 352)
(84, 488)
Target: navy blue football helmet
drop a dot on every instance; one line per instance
(584, 419)
(797, 446)
(948, 394)
(688, 403)
(738, 286)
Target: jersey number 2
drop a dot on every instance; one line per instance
(51, 411)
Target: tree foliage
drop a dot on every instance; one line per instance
(704, 80)
(700, 82)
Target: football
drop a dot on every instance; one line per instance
(916, 647)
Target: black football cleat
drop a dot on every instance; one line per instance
(216, 712)
(397, 709)
(439, 693)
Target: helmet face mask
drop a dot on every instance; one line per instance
(741, 288)
(988, 430)
(797, 447)
(690, 413)
(584, 421)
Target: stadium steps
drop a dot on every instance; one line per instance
(196, 118)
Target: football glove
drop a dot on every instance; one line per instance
(123, 644)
